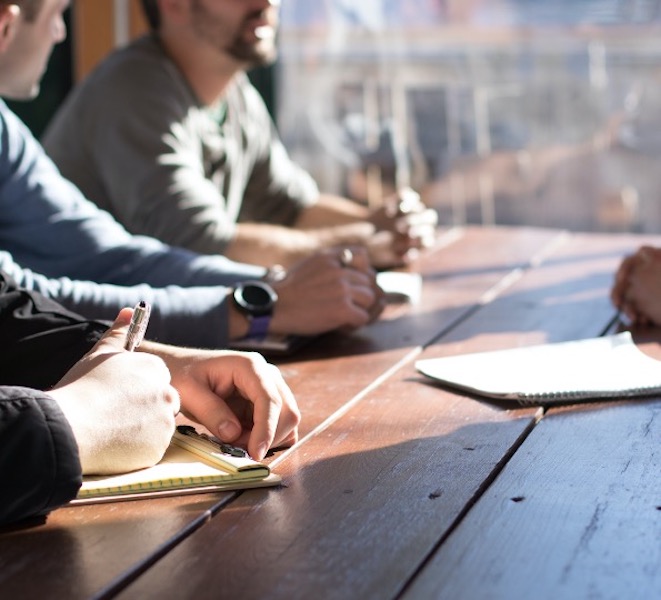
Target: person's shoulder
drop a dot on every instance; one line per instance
(144, 50)
(7, 115)
(137, 65)
(136, 81)
(13, 130)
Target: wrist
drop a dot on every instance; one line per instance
(258, 327)
(255, 301)
(238, 322)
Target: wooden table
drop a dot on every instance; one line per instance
(401, 489)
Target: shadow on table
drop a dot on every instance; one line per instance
(583, 300)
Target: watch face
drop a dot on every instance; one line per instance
(255, 297)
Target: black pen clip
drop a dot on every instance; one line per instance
(228, 449)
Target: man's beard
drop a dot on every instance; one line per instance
(256, 55)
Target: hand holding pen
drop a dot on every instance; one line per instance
(110, 393)
(138, 326)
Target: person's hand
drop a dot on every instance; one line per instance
(326, 292)
(237, 396)
(120, 405)
(621, 283)
(404, 226)
(637, 287)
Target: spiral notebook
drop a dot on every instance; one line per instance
(193, 463)
(565, 372)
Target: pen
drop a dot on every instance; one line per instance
(138, 326)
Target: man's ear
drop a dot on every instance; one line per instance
(8, 16)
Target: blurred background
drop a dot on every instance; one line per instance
(546, 113)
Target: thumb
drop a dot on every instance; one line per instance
(115, 337)
(112, 341)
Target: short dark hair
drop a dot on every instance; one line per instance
(152, 13)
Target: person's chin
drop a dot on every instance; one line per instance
(257, 56)
(23, 93)
(33, 92)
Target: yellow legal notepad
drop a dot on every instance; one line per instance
(193, 463)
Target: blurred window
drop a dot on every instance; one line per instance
(498, 111)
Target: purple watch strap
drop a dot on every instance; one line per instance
(259, 326)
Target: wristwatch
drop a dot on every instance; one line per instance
(256, 299)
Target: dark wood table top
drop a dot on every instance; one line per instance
(400, 488)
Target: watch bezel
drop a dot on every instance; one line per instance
(248, 305)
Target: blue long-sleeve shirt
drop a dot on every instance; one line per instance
(57, 242)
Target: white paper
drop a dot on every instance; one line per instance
(609, 366)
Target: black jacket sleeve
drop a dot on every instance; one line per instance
(39, 339)
(39, 342)
(39, 464)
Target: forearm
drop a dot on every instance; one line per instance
(195, 316)
(268, 245)
(331, 210)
